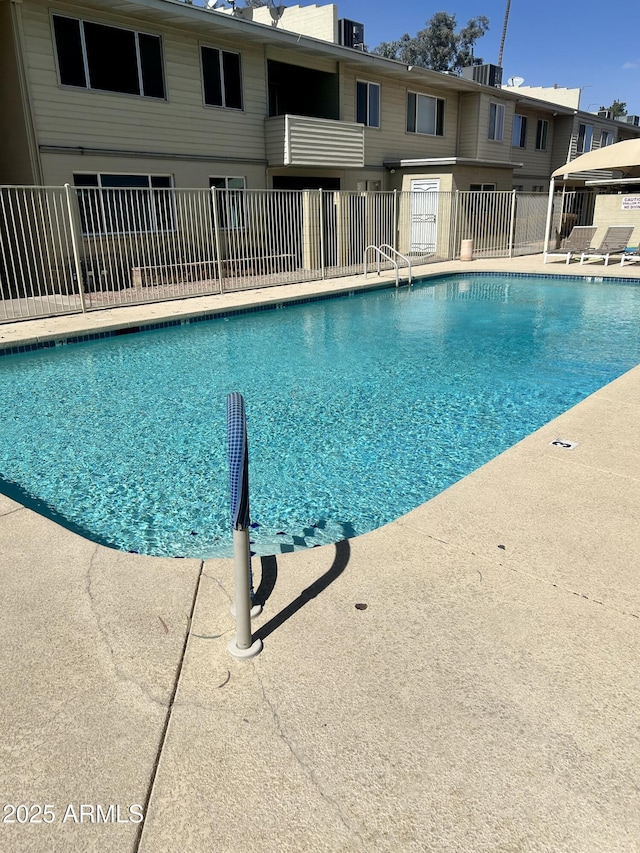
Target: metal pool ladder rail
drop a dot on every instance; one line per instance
(381, 253)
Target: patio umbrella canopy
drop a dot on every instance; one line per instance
(620, 157)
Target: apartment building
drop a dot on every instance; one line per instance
(165, 93)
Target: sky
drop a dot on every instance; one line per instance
(592, 46)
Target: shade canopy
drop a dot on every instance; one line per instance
(620, 157)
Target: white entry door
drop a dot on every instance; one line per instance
(424, 215)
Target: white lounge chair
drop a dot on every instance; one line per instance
(614, 242)
(578, 240)
(630, 255)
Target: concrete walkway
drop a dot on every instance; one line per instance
(463, 679)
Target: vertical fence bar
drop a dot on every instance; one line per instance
(512, 222)
(216, 234)
(76, 251)
(321, 203)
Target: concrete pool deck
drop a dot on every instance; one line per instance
(486, 698)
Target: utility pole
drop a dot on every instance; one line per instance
(504, 33)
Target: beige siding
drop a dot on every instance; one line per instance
(391, 140)
(180, 125)
(571, 142)
(275, 130)
(469, 123)
(315, 142)
(562, 136)
(489, 149)
(536, 165)
(60, 169)
(464, 176)
(16, 166)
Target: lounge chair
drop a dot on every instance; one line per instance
(629, 255)
(578, 240)
(614, 242)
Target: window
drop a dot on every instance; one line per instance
(425, 114)
(585, 138)
(519, 137)
(542, 132)
(538, 188)
(231, 210)
(221, 77)
(368, 104)
(482, 188)
(606, 138)
(496, 122)
(111, 59)
(125, 204)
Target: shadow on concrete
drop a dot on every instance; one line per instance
(268, 578)
(343, 552)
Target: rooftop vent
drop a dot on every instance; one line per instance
(488, 75)
(350, 33)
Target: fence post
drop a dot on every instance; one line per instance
(547, 226)
(216, 234)
(76, 249)
(512, 223)
(321, 227)
(395, 219)
(454, 230)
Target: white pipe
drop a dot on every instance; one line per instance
(241, 646)
(552, 185)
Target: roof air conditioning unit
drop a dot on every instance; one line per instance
(350, 33)
(487, 75)
(605, 114)
(634, 120)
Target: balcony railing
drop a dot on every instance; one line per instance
(306, 141)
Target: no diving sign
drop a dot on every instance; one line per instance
(565, 445)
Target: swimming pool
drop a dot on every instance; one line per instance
(359, 408)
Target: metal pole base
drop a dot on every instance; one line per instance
(256, 610)
(254, 649)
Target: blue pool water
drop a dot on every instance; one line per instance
(358, 408)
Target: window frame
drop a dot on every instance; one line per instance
(237, 213)
(106, 217)
(608, 135)
(482, 188)
(580, 148)
(493, 126)
(369, 84)
(439, 114)
(522, 134)
(542, 134)
(221, 52)
(85, 58)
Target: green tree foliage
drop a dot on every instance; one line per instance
(618, 108)
(438, 46)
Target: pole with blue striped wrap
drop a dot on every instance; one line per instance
(241, 646)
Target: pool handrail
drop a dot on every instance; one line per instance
(381, 253)
(400, 255)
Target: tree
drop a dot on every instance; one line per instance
(438, 46)
(617, 108)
